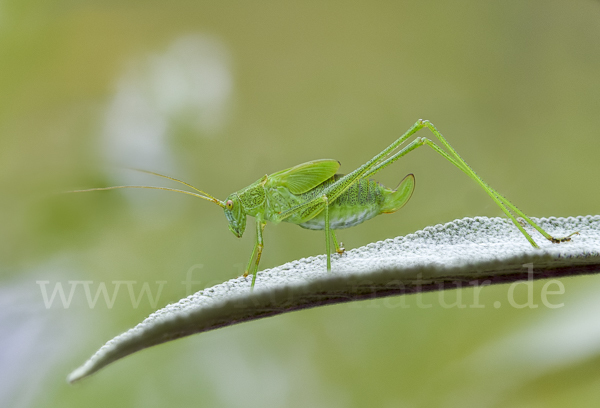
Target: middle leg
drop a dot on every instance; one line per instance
(338, 248)
(327, 243)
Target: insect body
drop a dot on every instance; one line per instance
(313, 196)
(270, 196)
(280, 193)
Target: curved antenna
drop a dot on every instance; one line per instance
(180, 181)
(207, 197)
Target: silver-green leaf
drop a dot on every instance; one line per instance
(457, 254)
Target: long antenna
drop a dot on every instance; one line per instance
(179, 181)
(202, 194)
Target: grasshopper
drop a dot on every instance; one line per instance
(313, 196)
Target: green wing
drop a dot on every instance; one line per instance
(306, 176)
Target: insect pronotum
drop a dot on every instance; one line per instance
(313, 196)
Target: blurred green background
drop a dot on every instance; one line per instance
(219, 93)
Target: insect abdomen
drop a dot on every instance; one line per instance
(361, 202)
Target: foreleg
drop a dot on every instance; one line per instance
(258, 248)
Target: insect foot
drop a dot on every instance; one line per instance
(564, 239)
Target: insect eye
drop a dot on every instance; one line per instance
(229, 204)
